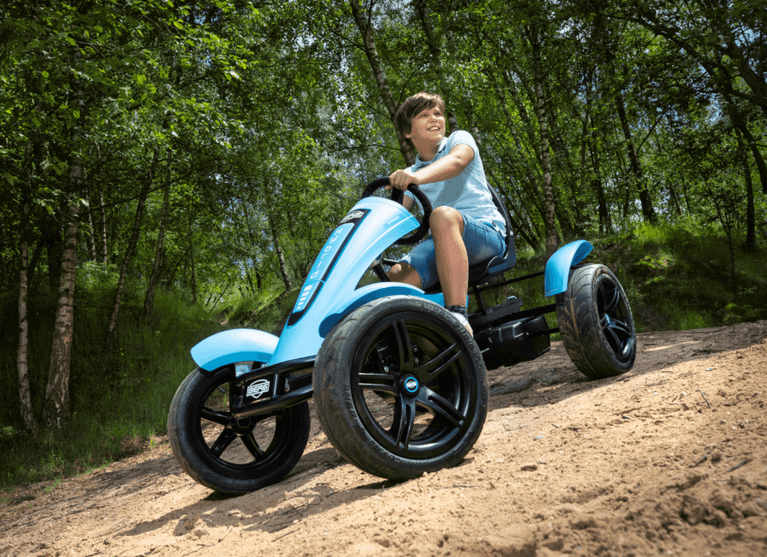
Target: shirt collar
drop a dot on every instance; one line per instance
(419, 163)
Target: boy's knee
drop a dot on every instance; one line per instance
(402, 272)
(445, 217)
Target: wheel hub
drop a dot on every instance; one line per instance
(241, 426)
(409, 385)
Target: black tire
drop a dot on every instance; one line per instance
(400, 388)
(225, 454)
(596, 324)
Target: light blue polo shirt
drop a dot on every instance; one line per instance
(467, 192)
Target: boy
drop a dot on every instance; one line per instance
(466, 227)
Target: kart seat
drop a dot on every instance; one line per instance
(482, 272)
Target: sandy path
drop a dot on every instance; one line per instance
(669, 459)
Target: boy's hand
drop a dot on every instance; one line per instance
(402, 178)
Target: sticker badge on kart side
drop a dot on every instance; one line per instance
(353, 216)
(257, 388)
(325, 261)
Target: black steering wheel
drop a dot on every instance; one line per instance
(398, 196)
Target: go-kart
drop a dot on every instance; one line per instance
(399, 384)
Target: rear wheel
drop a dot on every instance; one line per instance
(596, 324)
(228, 454)
(400, 388)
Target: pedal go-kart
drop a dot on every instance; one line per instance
(399, 385)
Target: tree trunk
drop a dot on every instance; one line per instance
(154, 279)
(589, 132)
(540, 109)
(435, 51)
(520, 148)
(56, 402)
(280, 255)
(91, 241)
(22, 358)
(112, 326)
(100, 234)
(369, 46)
(648, 212)
(750, 208)
(523, 231)
(192, 274)
(740, 122)
(54, 247)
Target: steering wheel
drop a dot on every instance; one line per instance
(398, 196)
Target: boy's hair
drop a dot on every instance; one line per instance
(413, 105)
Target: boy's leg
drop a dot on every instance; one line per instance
(402, 272)
(452, 260)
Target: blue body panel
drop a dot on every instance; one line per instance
(234, 345)
(369, 228)
(558, 266)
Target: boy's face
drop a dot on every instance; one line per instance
(428, 126)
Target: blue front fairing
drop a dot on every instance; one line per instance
(328, 294)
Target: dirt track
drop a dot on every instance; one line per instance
(669, 459)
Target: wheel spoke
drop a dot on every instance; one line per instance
(438, 363)
(404, 346)
(377, 382)
(223, 441)
(612, 339)
(252, 445)
(621, 327)
(441, 407)
(611, 298)
(216, 416)
(404, 418)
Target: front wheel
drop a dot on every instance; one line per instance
(596, 324)
(227, 454)
(400, 388)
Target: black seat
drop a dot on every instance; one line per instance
(480, 273)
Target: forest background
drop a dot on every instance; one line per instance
(171, 167)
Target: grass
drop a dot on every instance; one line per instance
(118, 401)
(676, 277)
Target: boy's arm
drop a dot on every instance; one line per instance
(444, 169)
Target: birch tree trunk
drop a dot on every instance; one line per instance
(369, 46)
(280, 256)
(112, 326)
(435, 50)
(56, 402)
(22, 358)
(549, 217)
(154, 279)
(103, 230)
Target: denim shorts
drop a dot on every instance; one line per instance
(482, 240)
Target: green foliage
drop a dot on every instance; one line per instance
(119, 400)
(679, 276)
(266, 311)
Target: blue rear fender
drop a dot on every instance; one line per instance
(557, 272)
(232, 346)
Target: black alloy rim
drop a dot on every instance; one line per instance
(614, 320)
(264, 438)
(413, 386)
